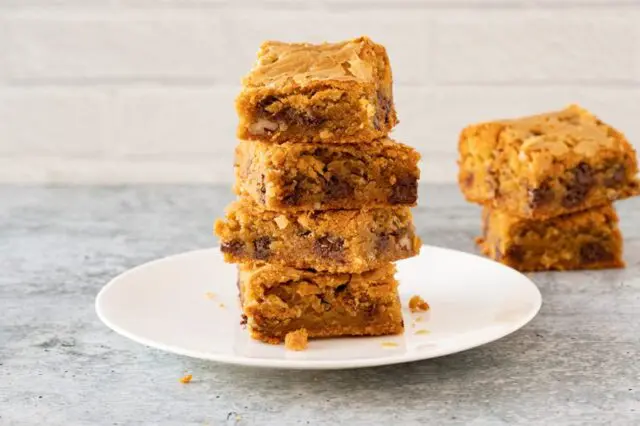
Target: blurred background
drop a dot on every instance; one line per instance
(133, 91)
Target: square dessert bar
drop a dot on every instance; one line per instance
(588, 239)
(279, 300)
(330, 92)
(301, 176)
(332, 240)
(546, 165)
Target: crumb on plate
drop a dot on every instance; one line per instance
(186, 379)
(418, 304)
(421, 331)
(209, 295)
(389, 344)
(296, 340)
(222, 305)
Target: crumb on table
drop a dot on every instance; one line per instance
(186, 379)
(418, 304)
(297, 340)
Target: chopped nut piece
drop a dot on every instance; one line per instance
(281, 221)
(296, 340)
(186, 379)
(418, 304)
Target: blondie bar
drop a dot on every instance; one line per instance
(333, 240)
(296, 176)
(588, 239)
(279, 300)
(330, 92)
(546, 165)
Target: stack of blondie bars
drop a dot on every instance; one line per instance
(324, 195)
(546, 183)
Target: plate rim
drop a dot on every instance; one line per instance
(301, 364)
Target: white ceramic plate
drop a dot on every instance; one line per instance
(188, 304)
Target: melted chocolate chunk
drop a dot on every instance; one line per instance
(540, 196)
(330, 247)
(577, 190)
(299, 118)
(261, 250)
(405, 191)
(233, 247)
(617, 177)
(594, 252)
(336, 188)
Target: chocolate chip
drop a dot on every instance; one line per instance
(330, 247)
(578, 189)
(618, 176)
(261, 250)
(233, 247)
(515, 253)
(243, 319)
(291, 198)
(468, 180)
(594, 252)
(341, 288)
(336, 188)
(383, 242)
(540, 196)
(371, 310)
(263, 190)
(404, 191)
(266, 102)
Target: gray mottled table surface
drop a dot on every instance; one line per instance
(578, 362)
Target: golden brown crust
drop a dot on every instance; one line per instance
(546, 165)
(301, 63)
(295, 176)
(334, 240)
(589, 239)
(277, 301)
(332, 93)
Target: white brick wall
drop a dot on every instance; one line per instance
(112, 91)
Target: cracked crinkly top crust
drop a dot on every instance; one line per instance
(303, 62)
(568, 136)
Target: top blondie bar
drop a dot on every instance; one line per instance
(330, 93)
(546, 165)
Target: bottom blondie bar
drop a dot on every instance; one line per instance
(278, 300)
(586, 240)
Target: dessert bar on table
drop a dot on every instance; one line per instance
(589, 239)
(306, 176)
(324, 194)
(278, 300)
(329, 240)
(330, 92)
(547, 183)
(546, 165)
